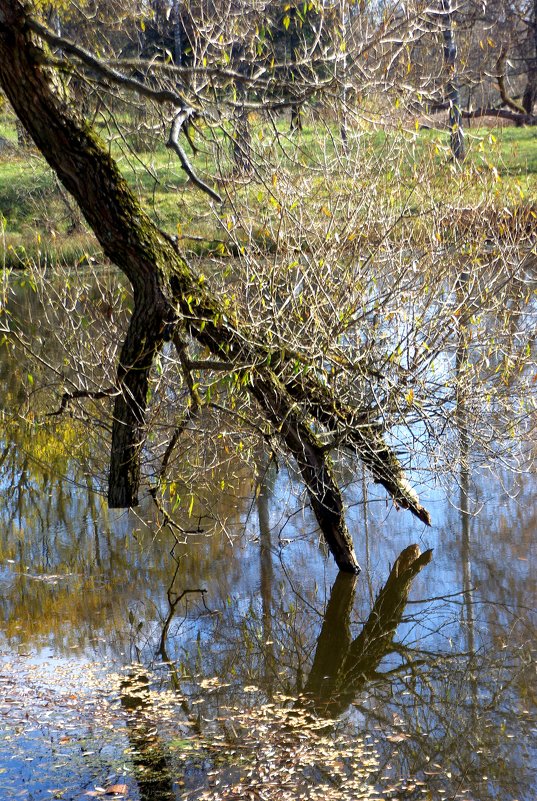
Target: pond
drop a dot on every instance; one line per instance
(235, 662)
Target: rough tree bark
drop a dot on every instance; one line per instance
(167, 295)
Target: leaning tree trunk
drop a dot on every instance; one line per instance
(168, 294)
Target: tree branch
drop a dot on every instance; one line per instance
(500, 76)
(174, 145)
(102, 69)
(67, 397)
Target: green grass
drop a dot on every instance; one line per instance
(517, 150)
(25, 182)
(410, 169)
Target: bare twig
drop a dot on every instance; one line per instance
(67, 397)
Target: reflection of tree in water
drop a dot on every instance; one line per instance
(343, 666)
(152, 768)
(463, 706)
(445, 716)
(157, 770)
(72, 561)
(266, 572)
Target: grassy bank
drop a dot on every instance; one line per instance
(401, 176)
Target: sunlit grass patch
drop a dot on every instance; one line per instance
(402, 172)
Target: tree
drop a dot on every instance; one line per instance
(499, 54)
(170, 302)
(453, 93)
(317, 346)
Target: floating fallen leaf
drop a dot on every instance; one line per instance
(117, 789)
(397, 738)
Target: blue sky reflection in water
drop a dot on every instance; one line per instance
(116, 670)
(448, 711)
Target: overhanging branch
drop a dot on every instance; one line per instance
(173, 144)
(104, 70)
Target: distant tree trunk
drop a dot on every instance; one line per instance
(530, 92)
(452, 86)
(296, 118)
(242, 140)
(177, 33)
(294, 44)
(24, 139)
(343, 13)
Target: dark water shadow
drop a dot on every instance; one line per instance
(151, 766)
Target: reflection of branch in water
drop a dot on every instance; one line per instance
(266, 572)
(341, 667)
(162, 651)
(172, 606)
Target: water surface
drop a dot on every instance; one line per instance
(233, 660)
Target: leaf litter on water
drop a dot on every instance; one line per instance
(278, 751)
